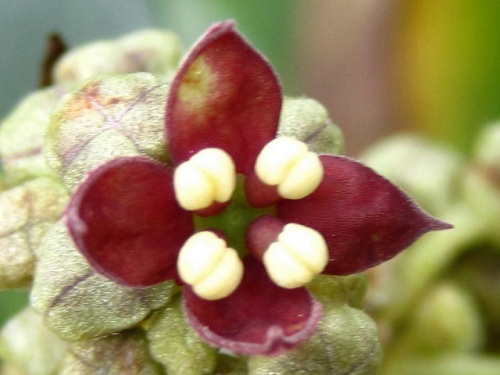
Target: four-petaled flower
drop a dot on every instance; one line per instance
(242, 219)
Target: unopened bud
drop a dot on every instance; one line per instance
(307, 120)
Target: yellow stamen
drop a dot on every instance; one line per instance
(208, 177)
(287, 163)
(209, 266)
(296, 257)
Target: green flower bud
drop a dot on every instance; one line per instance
(487, 150)
(429, 173)
(345, 343)
(28, 345)
(26, 212)
(175, 345)
(153, 51)
(22, 135)
(106, 118)
(124, 353)
(78, 303)
(308, 121)
(447, 320)
(339, 290)
(481, 183)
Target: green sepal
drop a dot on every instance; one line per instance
(345, 342)
(174, 343)
(308, 121)
(107, 118)
(26, 212)
(76, 302)
(124, 353)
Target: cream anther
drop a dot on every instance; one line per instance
(209, 266)
(287, 163)
(208, 177)
(296, 257)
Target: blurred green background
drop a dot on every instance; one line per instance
(380, 67)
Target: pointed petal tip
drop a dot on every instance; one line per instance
(436, 224)
(374, 220)
(222, 27)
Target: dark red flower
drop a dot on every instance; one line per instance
(140, 222)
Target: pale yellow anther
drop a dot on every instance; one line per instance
(217, 164)
(287, 163)
(208, 177)
(277, 157)
(209, 266)
(303, 178)
(296, 257)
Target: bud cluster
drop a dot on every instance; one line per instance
(80, 322)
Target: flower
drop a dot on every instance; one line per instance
(241, 219)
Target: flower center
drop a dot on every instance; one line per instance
(235, 219)
(207, 182)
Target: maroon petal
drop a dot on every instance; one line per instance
(259, 318)
(364, 218)
(224, 95)
(125, 220)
